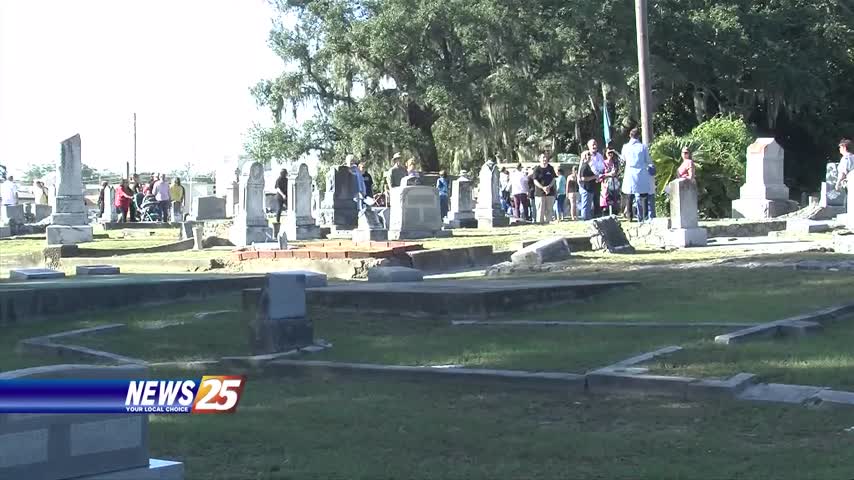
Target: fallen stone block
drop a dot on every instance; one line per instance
(544, 251)
(35, 274)
(312, 279)
(394, 274)
(83, 270)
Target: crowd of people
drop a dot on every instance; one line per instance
(154, 201)
(613, 184)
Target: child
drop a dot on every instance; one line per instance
(572, 193)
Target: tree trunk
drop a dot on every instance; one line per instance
(423, 120)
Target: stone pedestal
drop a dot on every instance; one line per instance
(461, 211)
(763, 195)
(70, 221)
(684, 221)
(488, 212)
(109, 206)
(345, 211)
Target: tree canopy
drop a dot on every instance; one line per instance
(451, 82)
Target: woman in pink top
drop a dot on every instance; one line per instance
(686, 169)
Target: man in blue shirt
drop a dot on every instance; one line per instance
(444, 192)
(637, 178)
(360, 182)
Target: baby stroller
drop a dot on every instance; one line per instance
(149, 209)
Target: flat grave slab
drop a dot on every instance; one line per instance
(479, 298)
(35, 274)
(97, 270)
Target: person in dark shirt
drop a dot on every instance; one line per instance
(587, 188)
(369, 180)
(544, 184)
(444, 187)
(281, 193)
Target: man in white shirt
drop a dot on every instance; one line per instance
(9, 192)
(161, 194)
(519, 190)
(846, 163)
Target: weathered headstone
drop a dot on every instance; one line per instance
(410, 181)
(544, 251)
(79, 446)
(209, 208)
(609, 235)
(312, 279)
(763, 195)
(70, 223)
(280, 323)
(12, 214)
(345, 216)
(42, 211)
(299, 224)
(461, 213)
(488, 212)
(370, 228)
(198, 237)
(684, 221)
(830, 196)
(109, 205)
(415, 213)
(250, 223)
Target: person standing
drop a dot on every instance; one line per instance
(369, 180)
(587, 188)
(610, 192)
(178, 195)
(560, 199)
(101, 198)
(519, 190)
(396, 173)
(597, 164)
(281, 194)
(846, 164)
(40, 193)
(572, 193)
(161, 194)
(686, 168)
(360, 181)
(544, 181)
(9, 192)
(124, 199)
(444, 187)
(136, 189)
(637, 180)
(504, 188)
(411, 169)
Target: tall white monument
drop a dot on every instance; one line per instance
(763, 195)
(70, 223)
(299, 224)
(250, 223)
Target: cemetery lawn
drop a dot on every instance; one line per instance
(332, 427)
(822, 359)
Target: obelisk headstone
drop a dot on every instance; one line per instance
(488, 212)
(461, 213)
(299, 224)
(109, 214)
(763, 195)
(70, 223)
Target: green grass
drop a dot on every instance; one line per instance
(823, 359)
(332, 427)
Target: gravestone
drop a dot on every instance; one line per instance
(763, 195)
(345, 214)
(12, 214)
(410, 181)
(35, 274)
(830, 196)
(250, 223)
(92, 270)
(544, 251)
(299, 224)
(79, 446)
(488, 212)
(370, 228)
(42, 211)
(209, 208)
(461, 212)
(70, 222)
(685, 230)
(198, 237)
(280, 324)
(414, 213)
(109, 205)
(609, 236)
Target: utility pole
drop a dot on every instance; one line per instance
(643, 71)
(134, 143)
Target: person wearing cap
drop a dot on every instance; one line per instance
(396, 173)
(360, 181)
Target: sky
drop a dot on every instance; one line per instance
(85, 66)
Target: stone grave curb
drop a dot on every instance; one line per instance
(45, 345)
(548, 380)
(561, 323)
(797, 325)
